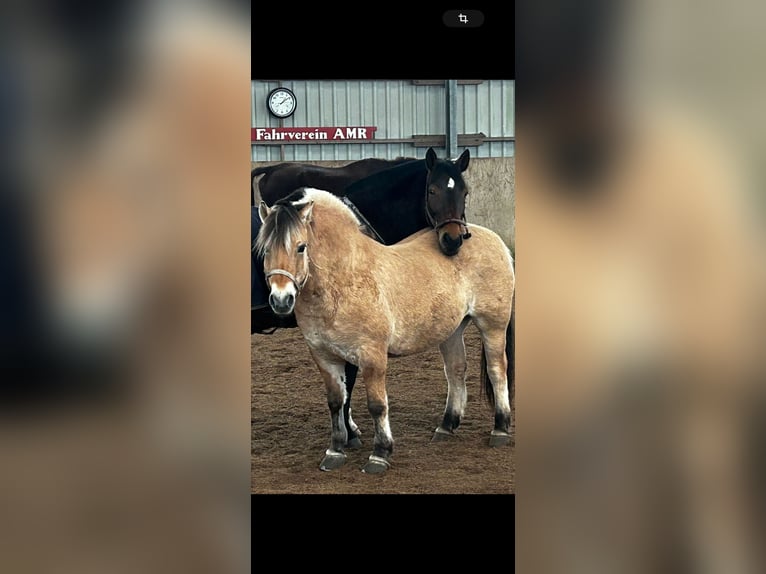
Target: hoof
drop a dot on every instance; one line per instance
(376, 465)
(332, 460)
(441, 435)
(499, 439)
(354, 443)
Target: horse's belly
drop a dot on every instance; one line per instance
(414, 333)
(331, 344)
(406, 332)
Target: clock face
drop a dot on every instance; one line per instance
(282, 102)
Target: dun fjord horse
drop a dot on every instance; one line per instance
(358, 301)
(394, 203)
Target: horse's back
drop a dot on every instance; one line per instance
(393, 177)
(484, 248)
(483, 264)
(417, 236)
(280, 180)
(428, 294)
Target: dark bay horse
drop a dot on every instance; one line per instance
(416, 195)
(357, 301)
(281, 179)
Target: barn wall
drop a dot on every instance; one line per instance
(398, 108)
(491, 199)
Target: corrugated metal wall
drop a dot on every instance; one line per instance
(398, 108)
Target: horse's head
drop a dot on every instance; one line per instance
(445, 199)
(282, 242)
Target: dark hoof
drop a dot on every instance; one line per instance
(332, 460)
(499, 439)
(376, 465)
(354, 443)
(441, 435)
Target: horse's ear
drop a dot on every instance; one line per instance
(306, 212)
(430, 158)
(462, 161)
(263, 211)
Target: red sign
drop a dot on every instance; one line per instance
(311, 135)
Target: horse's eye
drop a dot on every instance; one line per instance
(301, 248)
(431, 190)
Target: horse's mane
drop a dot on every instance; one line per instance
(326, 199)
(284, 221)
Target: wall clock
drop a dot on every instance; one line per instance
(282, 102)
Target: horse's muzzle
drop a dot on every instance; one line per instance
(282, 304)
(450, 245)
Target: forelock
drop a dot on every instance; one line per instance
(280, 227)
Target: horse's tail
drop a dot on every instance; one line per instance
(510, 349)
(510, 344)
(255, 173)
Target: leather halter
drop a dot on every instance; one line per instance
(462, 222)
(290, 276)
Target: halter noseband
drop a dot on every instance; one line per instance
(461, 222)
(290, 276)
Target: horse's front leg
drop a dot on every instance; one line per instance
(351, 429)
(377, 403)
(334, 376)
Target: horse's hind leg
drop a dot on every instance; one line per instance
(496, 381)
(453, 353)
(334, 376)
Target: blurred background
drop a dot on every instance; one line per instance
(640, 270)
(124, 344)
